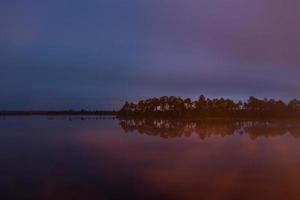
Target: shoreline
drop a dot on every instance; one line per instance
(57, 113)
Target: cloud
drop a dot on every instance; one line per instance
(136, 49)
(249, 32)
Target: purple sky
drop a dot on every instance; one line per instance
(60, 54)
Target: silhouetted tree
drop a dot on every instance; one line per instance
(205, 107)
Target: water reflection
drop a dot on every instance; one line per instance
(94, 159)
(204, 129)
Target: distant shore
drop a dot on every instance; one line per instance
(170, 107)
(57, 112)
(203, 107)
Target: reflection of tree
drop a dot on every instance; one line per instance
(178, 128)
(271, 129)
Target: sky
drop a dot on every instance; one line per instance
(97, 54)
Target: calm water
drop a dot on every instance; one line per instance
(91, 159)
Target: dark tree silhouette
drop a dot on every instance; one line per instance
(205, 107)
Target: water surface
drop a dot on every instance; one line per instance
(87, 158)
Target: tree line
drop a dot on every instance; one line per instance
(170, 106)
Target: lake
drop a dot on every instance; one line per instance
(74, 158)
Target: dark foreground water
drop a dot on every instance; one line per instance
(70, 159)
